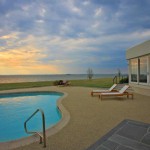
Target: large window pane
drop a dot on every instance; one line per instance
(134, 70)
(143, 69)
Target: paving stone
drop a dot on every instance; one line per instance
(129, 142)
(124, 148)
(128, 135)
(146, 139)
(101, 148)
(140, 124)
(132, 132)
(110, 144)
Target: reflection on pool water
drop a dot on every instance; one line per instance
(16, 108)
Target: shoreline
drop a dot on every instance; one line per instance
(38, 78)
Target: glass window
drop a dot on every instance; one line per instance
(134, 70)
(143, 69)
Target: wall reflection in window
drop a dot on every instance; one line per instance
(134, 69)
(143, 69)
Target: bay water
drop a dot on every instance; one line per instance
(47, 77)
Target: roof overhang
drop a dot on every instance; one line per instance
(138, 50)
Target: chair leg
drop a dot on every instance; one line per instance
(128, 96)
(132, 96)
(100, 96)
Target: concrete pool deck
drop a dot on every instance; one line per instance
(90, 118)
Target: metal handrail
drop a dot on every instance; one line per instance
(32, 132)
(115, 78)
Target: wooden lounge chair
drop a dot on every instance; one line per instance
(121, 92)
(111, 89)
(64, 83)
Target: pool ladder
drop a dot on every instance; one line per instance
(42, 137)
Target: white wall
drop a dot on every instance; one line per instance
(136, 52)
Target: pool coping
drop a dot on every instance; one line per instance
(49, 132)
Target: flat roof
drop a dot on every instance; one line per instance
(138, 50)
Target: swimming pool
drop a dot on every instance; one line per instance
(16, 108)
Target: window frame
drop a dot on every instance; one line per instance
(138, 70)
(131, 72)
(143, 83)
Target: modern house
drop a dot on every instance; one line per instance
(139, 67)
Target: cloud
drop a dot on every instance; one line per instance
(34, 69)
(70, 36)
(21, 56)
(25, 60)
(70, 4)
(8, 36)
(98, 12)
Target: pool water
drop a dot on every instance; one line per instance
(16, 108)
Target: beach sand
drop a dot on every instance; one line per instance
(90, 118)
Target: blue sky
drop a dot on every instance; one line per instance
(69, 36)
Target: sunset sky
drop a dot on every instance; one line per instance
(69, 36)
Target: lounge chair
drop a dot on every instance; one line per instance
(64, 83)
(111, 89)
(121, 92)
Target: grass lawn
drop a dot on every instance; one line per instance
(102, 83)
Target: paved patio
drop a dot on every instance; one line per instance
(128, 135)
(90, 118)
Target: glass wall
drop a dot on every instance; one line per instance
(143, 63)
(140, 70)
(134, 69)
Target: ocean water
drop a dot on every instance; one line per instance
(35, 78)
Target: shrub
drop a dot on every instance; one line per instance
(55, 82)
(124, 80)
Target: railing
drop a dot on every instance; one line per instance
(116, 80)
(42, 138)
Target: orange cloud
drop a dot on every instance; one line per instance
(24, 60)
(9, 36)
(36, 69)
(20, 56)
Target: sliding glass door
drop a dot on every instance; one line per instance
(140, 70)
(134, 70)
(143, 69)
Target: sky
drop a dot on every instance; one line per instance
(70, 36)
